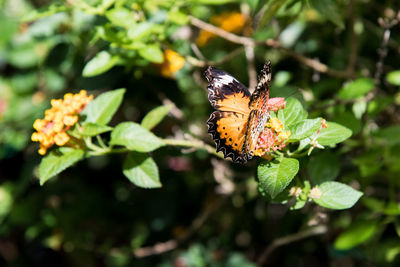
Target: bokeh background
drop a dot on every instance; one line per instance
(340, 58)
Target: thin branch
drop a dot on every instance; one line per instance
(246, 41)
(220, 32)
(204, 63)
(318, 230)
(382, 53)
(175, 111)
(171, 244)
(197, 51)
(249, 52)
(195, 143)
(353, 40)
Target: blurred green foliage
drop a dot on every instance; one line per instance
(93, 216)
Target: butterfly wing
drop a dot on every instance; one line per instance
(256, 123)
(228, 125)
(225, 93)
(228, 129)
(259, 110)
(260, 97)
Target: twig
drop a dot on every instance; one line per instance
(175, 111)
(171, 244)
(353, 40)
(204, 63)
(382, 53)
(197, 51)
(318, 230)
(249, 52)
(220, 32)
(246, 41)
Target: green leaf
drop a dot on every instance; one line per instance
(155, 116)
(36, 14)
(121, 17)
(135, 137)
(102, 62)
(348, 120)
(394, 77)
(304, 129)
(92, 129)
(323, 167)
(152, 53)
(141, 170)
(389, 136)
(212, 2)
(57, 161)
(291, 33)
(337, 196)
(292, 113)
(269, 11)
(359, 108)
(357, 234)
(335, 133)
(103, 107)
(392, 208)
(274, 177)
(357, 88)
(142, 30)
(329, 10)
(178, 17)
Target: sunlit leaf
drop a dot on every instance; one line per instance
(92, 129)
(103, 107)
(335, 133)
(141, 170)
(337, 196)
(304, 129)
(57, 161)
(274, 177)
(135, 137)
(102, 62)
(357, 88)
(152, 53)
(155, 116)
(292, 113)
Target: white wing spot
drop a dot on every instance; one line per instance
(224, 79)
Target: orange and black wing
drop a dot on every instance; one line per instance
(259, 110)
(228, 129)
(228, 125)
(225, 93)
(260, 97)
(256, 124)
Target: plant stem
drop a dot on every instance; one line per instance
(194, 144)
(97, 151)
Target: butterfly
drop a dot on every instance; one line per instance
(240, 117)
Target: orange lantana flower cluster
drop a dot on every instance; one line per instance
(58, 119)
(172, 63)
(228, 21)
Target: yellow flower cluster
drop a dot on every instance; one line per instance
(58, 119)
(272, 137)
(172, 63)
(276, 125)
(228, 21)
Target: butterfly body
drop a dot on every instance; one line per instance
(240, 117)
